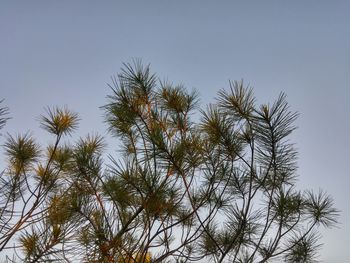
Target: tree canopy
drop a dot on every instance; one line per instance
(219, 189)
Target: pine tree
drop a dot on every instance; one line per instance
(220, 189)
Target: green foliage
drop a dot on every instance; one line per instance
(320, 208)
(59, 121)
(303, 249)
(29, 243)
(220, 189)
(3, 115)
(21, 152)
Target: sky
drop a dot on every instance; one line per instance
(63, 53)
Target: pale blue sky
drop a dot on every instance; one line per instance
(64, 52)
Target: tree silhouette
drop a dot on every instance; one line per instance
(221, 189)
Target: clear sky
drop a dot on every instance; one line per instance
(64, 53)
